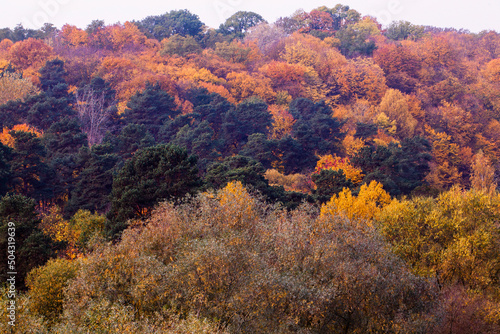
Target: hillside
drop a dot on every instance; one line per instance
(318, 174)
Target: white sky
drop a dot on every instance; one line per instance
(472, 15)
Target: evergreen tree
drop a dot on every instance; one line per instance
(151, 108)
(31, 176)
(330, 182)
(33, 247)
(95, 179)
(5, 168)
(154, 174)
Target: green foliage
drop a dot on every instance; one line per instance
(315, 129)
(154, 174)
(342, 15)
(5, 169)
(180, 46)
(237, 168)
(52, 78)
(151, 108)
(249, 117)
(239, 23)
(401, 30)
(33, 248)
(30, 174)
(175, 22)
(400, 168)
(131, 138)
(94, 180)
(330, 182)
(355, 42)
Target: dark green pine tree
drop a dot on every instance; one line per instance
(330, 182)
(54, 103)
(151, 108)
(199, 139)
(63, 141)
(210, 107)
(250, 116)
(162, 172)
(236, 168)
(94, 181)
(400, 168)
(31, 176)
(52, 79)
(14, 112)
(5, 169)
(315, 129)
(261, 149)
(132, 137)
(33, 247)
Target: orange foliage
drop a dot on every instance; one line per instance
(337, 163)
(72, 36)
(492, 71)
(283, 122)
(126, 35)
(244, 86)
(30, 52)
(293, 182)
(286, 77)
(360, 79)
(221, 90)
(352, 145)
(310, 51)
(5, 46)
(8, 140)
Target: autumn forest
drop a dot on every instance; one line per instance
(318, 174)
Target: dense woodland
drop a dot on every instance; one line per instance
(318, 174)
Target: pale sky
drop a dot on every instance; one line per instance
(475, 15)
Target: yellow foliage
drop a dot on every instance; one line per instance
(13, 87)
(8, 140)
(47, 286)
(454, 236)
(352, 145)
(244, 86)
(365, 206)
(60, 230)
(197, 75)
(483, 174)
(236, 205)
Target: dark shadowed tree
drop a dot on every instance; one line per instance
(33, 247)
(154, 174)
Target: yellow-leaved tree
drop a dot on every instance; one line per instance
(236, 205)
(13, 86)
(371, 200)
(483, 174)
